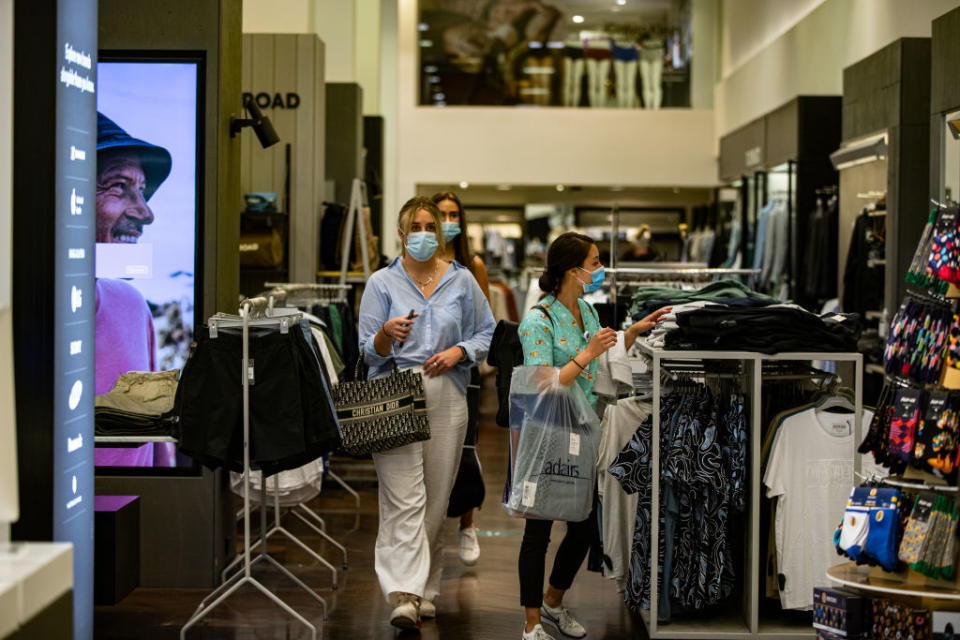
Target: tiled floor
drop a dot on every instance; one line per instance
(478, 603)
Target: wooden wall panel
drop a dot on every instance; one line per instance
(278, 65)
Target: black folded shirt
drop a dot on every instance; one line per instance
(764, 330)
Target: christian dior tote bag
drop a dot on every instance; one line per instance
(381, 414)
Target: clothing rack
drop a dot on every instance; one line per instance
(253, 313)
(750, 624)
(281, 290)
(915, 486)
(323, 292)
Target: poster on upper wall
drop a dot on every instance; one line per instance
(563, 53)
(146, 221)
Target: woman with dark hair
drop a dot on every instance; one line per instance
(468, 488)
(564, 331)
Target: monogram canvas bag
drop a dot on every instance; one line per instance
(381, 414)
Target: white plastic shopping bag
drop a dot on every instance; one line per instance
(554, 443)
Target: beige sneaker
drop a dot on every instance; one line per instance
(428, 610)
(469, 546)
(406, 615)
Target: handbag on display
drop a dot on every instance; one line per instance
(381, 414)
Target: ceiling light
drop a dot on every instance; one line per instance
(560, 187)
(464, 184)
(577, 19)
(503, 187)
(621, 2)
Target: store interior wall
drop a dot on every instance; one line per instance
(761, 71)
(297, 16)
(8, 444)
(367, 54)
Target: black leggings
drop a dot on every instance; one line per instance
(570, 555)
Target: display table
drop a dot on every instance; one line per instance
(36, 582)
(863, 578)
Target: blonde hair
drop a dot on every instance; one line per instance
(410, 208)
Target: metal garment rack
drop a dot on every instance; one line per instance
(749, 625)
(358, 200)
(282, 290)
(249, 309)
(616, 271)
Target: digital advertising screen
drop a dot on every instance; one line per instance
(147, 212)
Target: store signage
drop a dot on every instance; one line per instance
(753, 157)
(273, 101)
(76, 149)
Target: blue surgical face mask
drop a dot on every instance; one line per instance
(450, 230)
(421, 245)
(596, 280)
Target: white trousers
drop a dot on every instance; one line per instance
(651, 75)
(415, 485)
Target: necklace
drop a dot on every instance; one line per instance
(423, 284)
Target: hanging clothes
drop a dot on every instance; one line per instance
(810, 472)
(703, 447)
(867, 245)
(292, 417)
(618, 508)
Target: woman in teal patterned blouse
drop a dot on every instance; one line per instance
(571, 339)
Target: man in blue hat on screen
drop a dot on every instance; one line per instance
(128, 173)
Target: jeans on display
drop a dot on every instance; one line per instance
(572, 80)
(626, 72)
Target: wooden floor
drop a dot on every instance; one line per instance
(478, 603)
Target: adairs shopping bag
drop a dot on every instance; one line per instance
(554, 443)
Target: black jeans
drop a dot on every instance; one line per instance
(570, 555)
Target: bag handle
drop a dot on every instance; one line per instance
(542, 309)
(360, 362)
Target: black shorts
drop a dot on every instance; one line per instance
(291, 416)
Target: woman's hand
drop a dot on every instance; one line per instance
(399, 328)
(442, 362)
(644, 325)
(601, 342)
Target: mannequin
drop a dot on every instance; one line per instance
(625, 59)
(652, 52)
(599, 56)
(572, 72)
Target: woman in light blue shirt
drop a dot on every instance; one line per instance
(427, 314)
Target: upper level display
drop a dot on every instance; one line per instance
(628, 54)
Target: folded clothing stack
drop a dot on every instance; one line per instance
(731, 292)
(772, 329)
(139, 404)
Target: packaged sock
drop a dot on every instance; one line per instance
(883, 524)
(936, 438)
(916, 530)
(903, 425)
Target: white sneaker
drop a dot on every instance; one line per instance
(469, 546)
(406, 615)
(563, 620)
(537, 634)
(428, 610)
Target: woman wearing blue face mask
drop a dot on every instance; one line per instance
(448, 332)
(564, 332)
(468, 489)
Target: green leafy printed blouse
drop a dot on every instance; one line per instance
(554, 344)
